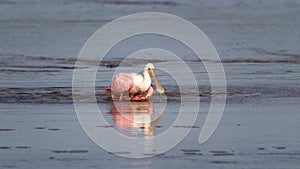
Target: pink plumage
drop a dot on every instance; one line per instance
(133, 86)
(121, 83)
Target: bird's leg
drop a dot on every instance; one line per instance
(121, 96)
(126, 96)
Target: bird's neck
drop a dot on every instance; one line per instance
(146, 81)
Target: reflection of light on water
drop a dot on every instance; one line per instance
(138, 118)
(134, 117)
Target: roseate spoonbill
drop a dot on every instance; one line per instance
(133, 86)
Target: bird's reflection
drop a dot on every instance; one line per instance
(136, 116)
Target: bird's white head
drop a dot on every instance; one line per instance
(149, 66)
(150, 69)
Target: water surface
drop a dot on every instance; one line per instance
(40, 41)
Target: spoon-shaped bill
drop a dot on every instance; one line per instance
(159, 88)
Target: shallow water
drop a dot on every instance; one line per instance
(54, 138)
(47, 80)
(40, 41)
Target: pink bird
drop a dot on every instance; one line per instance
(133, 86)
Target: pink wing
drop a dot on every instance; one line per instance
(121, 83)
